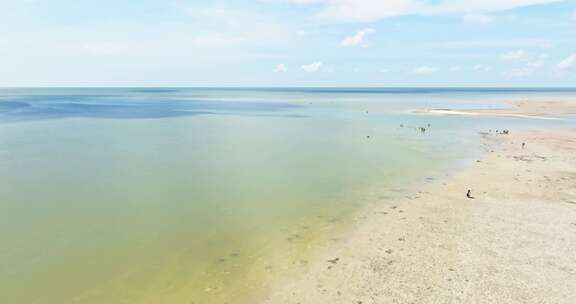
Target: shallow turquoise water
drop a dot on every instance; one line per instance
(178, 195)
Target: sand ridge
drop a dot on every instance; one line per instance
(533, 109)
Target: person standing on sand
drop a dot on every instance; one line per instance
(469, 194)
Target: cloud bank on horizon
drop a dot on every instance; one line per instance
(288, 43)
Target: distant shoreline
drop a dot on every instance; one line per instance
(355, 89)
(536, 109)
(472, 113)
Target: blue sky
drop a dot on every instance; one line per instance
(288, 43)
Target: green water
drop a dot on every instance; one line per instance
(104, 208)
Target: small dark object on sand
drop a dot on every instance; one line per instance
(368, 136)
(334, 261)
(469, 194)
(523, 145)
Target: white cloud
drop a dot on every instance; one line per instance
(482, 6)
(481, 68)
(357, 39)
(367, 10)
(280, 68)
(422, 70)
(477, 19)
(526, 70)
(530, 63)
(519, 72)
(488, 44)
(568, 63)
(216, 40)
(371, 10)
(105, 48)
(217, 17)
(312, 67)
(535, 64)
(518, 55)
(218, 27)
(524, 56)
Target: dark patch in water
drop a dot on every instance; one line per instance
(156, 90)
(11, 105)
(39, 107)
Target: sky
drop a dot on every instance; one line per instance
(288, 43)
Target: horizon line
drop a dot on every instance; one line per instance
(289, 87)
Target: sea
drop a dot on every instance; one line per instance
(208, 195)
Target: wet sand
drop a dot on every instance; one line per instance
(515, 242)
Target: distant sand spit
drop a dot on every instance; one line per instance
(533, 109)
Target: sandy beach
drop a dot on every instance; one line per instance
(514, 242)
(536, 109)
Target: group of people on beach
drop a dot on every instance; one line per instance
(500, 132)
(421, 129)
